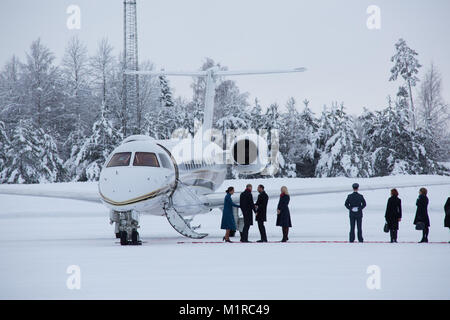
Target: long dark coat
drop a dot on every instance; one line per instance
(261, 203)
(447, 213)
(284, 218)
(422, 211)
(393, 212)
(228, 222)
(247, 206)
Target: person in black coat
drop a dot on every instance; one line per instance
(283, 214)
(393, 214)
(261, 212)
(355, 203)
(422, 214)
(447, 214)
(248, 207)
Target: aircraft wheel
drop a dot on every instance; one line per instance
(123, 238)
(135, 237)
(118, 235)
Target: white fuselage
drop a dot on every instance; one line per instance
(141, 174)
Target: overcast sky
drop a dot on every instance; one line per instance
(346, 61)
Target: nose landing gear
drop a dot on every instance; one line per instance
(126, 225)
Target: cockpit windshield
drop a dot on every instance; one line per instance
(121, 159)
(145, 159)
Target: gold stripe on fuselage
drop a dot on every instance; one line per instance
(147, 196)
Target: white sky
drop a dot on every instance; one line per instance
(345, 60)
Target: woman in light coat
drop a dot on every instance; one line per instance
(283, 214)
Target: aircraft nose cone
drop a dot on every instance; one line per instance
(128, 184)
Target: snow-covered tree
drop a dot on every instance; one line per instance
(307, 138)
(32, 157)
(407, 66)
(96, 148)
(11, 93)
(4, 146)
(290, 144)
(434, 113)
(165, 97)
(256, 116)
(391, 144)
(343, 154)
(43, 86)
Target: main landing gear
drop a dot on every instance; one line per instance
(126, 225)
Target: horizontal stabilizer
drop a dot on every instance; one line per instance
(257, 72)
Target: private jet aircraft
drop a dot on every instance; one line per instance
(175, 178)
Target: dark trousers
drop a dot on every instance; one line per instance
(244, 233)
(356, 219)
(262, 230)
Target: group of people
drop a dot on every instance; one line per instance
(248, 207)
(355, 203)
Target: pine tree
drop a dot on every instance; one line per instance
(4, 146)
(256, 116)
(32, 157)
(434, 114)
(307, 139)
(407, 66)
(343, 154)
(290, 144)
(165, 96)
(96, 148)
(393, 147)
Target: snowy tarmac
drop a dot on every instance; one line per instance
(40, 238)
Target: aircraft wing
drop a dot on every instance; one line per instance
(387, 183)
(86, 191)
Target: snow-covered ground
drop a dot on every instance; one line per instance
(40, 238)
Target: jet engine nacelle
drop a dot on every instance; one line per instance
(249, 153)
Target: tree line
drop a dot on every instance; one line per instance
(60, 121)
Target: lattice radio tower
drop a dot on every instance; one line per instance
(130, 82)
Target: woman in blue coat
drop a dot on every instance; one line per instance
(283, 214)
(228, 222)
(422, 213)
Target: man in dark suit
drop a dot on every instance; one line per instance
(261, 212)
(247, 206)
(355, 203)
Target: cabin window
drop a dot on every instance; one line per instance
(164, 161)
(121, 159)
(145, 159)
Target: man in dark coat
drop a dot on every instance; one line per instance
(261, 212)
(248, 207)
(447, 214)
(422, 214)
(355, 203)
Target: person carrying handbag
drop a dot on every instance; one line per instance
(393, 214)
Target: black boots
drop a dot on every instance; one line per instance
(393, 235)
(285, 234)
(425, 235)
